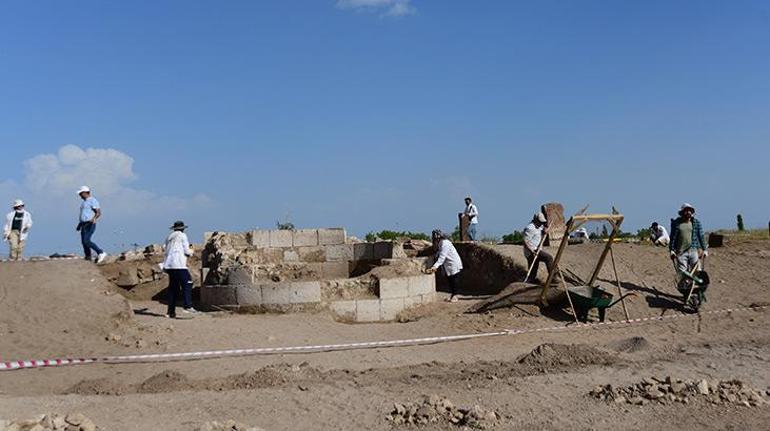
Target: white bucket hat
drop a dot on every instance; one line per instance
(18, 203)
(540, 217)
(685, 206)
(84, 189)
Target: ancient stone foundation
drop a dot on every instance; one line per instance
(311, 270)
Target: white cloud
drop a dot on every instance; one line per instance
(392, 8)
(107, 171)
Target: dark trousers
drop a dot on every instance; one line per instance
(454, 283)
(543, 256)
(178, 279)
(86, 232)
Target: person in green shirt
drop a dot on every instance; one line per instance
(688, 245)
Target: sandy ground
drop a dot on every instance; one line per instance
(67, 308)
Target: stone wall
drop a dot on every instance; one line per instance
(309, 269)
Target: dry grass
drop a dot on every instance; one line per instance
(749, 234)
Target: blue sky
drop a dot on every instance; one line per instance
(373, 114)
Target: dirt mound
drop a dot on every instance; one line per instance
(436, 409)
(101, 386)
(565, 355)
(276, 375)
(669, 390)
(630, 345)
(57, 308)
(166, 381)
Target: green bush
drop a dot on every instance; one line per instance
(390, 235)
(514, 237)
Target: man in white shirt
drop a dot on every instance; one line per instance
(175, 265)
(533, 241)
(16, 229)
(90, 212)
(448, 258)
(472, 213)
(659, 235)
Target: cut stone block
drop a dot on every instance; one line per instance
(218, 295)
(412, 301)
(276, 293)
(344, 309)
(367, 310)
(389, 308)
(422, 285)
(312, 254)
(427, 299)
(239, 276)
(248, 294)
(290, 255)
(333, 236)
(259, 238)
(363, 251)
(332, 270)
(394, 287)
(336, 253)
(305, 237)
(383, 250)
(281, 238)
(303, 292)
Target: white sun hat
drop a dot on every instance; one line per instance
(18, 203)
(84, 189)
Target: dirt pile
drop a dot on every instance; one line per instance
(435, 409)
(550, 356)
(226, 426)
(51, 422)
(670, 390)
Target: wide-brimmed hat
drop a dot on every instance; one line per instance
(685, 206)
(179, 225)
(84, 189)
(539, 217)
(18, 203)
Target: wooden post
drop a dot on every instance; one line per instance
(615, 221)
(617, 281)
(555, 264)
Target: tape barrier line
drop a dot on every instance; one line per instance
(183, 356)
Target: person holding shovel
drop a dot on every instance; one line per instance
(534, 236)
(448, 258)
(688, 245)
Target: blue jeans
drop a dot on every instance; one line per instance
(86, 232)
(472, 231)
(179, 279)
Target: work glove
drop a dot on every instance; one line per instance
(705, 253)
(673, 255)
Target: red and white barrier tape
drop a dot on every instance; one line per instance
(162, 357)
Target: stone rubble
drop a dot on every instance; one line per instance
(670, 390)
(51, 422)
(433, 409)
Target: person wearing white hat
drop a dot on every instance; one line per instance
(16, 229)
(472, 213)
(90, 211)
(533, 241)
(688, 244)
(175, 265)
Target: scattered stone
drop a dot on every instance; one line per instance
(434, 409)
(672, 390)
(51, 422)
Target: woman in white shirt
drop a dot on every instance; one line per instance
(448, 258)
(175, 265)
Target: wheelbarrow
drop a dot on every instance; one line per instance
(693, 286)
(585, 298)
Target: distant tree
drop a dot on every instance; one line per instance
(456, 234)
(643, 234)
(287, 225)
(741, 228)
(514, 237)
(605, 232)
(390, 235)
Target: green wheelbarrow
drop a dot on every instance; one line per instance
(585, 298)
